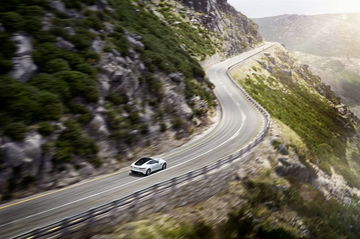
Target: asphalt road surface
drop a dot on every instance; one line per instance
(238, 125)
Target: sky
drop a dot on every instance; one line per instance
(265, 8)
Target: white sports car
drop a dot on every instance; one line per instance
(148, 165)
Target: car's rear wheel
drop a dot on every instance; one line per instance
(148, 172)
(164, 166)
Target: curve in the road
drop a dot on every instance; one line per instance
(239, 124)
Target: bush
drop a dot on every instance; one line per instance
(5, 65)
(8, 47)
(86, 68)
(23, 102)
(49, 83)
(32, 18)
(50, 107)
(46, 129)
(56, 65)
(44, 52)
(12, 21)
(15, 131)
(73, 141)
(81, 85)
(117, 98)
(178, 123)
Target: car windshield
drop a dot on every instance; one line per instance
(142, 161)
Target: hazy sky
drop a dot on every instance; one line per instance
(262, 8)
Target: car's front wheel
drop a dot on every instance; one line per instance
(164, 166)
(148, 172)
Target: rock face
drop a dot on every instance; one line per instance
(239, 32)
(23, 65)
(20, 160)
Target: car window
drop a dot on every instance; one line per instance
(142, 161)
(152, 162)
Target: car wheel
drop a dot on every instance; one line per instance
(164, 166)
(148, 172)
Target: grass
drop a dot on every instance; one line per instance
(316, 125)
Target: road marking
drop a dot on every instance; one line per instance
(63, 189)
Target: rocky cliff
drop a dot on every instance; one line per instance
(238, 32)
(86, 86)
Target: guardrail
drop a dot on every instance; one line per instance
(68, 225)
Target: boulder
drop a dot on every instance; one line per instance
(61, 43)
(97, 45)
(98, 126)
(23, 64)
(283, 149)
(13, 155)
(58, 5)
(33, 153)
(177, 77)
(135, 40)
(86, 169)
(292, 167)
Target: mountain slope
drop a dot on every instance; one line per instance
(341, 73)
(324, 35)
(87, 85)
(294, 187)
(327, 43)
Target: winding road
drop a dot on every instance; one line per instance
(240, 122)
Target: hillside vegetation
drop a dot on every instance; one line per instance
(341, 73)
(327, 43)
(87, 85)
(309, 108)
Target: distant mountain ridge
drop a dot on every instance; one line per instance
(324, 35)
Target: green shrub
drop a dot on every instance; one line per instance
(85, 118)
(63, 154)
(50, 107)
(163, 127)
(117, 98)
(51, 84)
(56, 65)
(178, 123)
(8, 47)
(15, 131)
(46, 129)
(32, 18)
(5, 65)
(12, 21)
(81, 41)
(81, 85)
(86, 68)
(23, 102)
(91, 57)
(45, 52)
(73, 141)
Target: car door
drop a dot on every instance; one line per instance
(153, 165)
